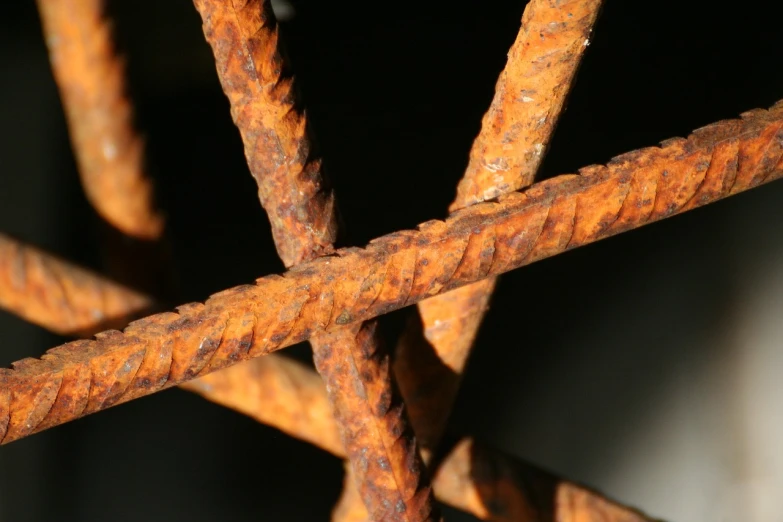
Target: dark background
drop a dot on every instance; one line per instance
(599, 364)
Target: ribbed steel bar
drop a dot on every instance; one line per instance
(292, 188)
(109, 152)
(91, 80)
(487, 483)
(505, 156)
(60, 296)
(273, 390)
(393, 271)
(529, 96)
(515, 134)
(244, 38)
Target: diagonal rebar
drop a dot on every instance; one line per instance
(529, 96)
(91, 81)
(393, 271)
(515, 133)
(273, 390)
(292, 189)
(487, 483)
(60, 296)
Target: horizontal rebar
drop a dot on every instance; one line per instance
(393, 271)
(274, 390)
(295, 193)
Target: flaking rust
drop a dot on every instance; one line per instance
(244, 39)
(380, 445)
(560, 214)
(293, 190)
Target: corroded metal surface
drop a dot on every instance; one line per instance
(91, 81)
(529, 96)
(393, 271)
(487, 483)
(515, 133)
(244, 38)
(385, 461)
(273, 390)
(60, 296)
(374, 427)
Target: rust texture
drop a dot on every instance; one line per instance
(393, 271)
(91, 81)
(385, 461)
(273, 390)
(244, 36)
(491, 485)
(529, 97)
(292, 189)
(62, 297)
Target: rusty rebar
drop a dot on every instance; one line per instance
(515, 134)
(393, 271)
(529, 96)
(278, 391)
(487, 483)
(91, 81)
(60, 296)
(293, 190)
(244, 37)
(493, 486)
(273, 390)
(109, 152)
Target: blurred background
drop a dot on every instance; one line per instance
(646, 366)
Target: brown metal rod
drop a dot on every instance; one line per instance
(109, 152)
(60, 296)
(494, 486)
(489, 484)
(292, 188)
(244, 39)
(529, 96)
(67, 299)
(100, 117)
(515, 133)
(273, 390)
(393, 271)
